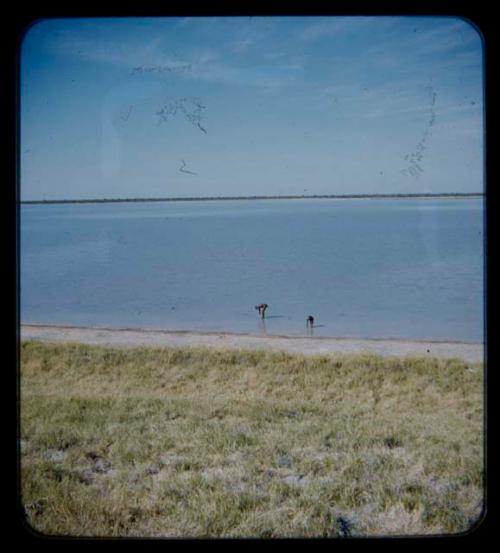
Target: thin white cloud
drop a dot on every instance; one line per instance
(443, 39)
(155, 57)
(336, 25)
(259, 76)
(320, 29)
(243, 45)
(99, 47)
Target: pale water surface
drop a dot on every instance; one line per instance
(363, 268)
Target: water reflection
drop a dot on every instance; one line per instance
(262, 326)
(311, 328)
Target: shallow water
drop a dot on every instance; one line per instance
(409, 268)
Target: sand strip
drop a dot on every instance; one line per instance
(470, 352)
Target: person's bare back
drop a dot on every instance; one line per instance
(261, 308)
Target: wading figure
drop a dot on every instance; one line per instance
(261, 308)
(310, 321)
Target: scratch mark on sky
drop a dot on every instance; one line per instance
(185, 170)
(128, 114)
(414, 158)
(191, 108)
(161, 69)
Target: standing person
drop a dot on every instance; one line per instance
(261, 308)
(310, 321)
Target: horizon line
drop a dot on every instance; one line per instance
(256, 197)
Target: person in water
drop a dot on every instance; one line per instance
(310, 321)
(261, 308)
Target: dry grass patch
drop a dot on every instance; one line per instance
(194, 442)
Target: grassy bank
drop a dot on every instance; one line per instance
(205, 443)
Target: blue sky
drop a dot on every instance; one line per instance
(168, 107)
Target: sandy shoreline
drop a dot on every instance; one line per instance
(470, 352)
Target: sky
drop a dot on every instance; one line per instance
(243, 106)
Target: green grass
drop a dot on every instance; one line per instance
(228, 443)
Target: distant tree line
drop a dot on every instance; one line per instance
(280, 197)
